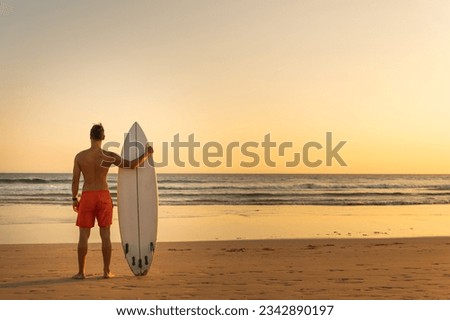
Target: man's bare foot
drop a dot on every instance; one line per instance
(108, 275)
(79, 276)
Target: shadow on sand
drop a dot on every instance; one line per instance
(53, 281)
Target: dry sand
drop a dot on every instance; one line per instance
(403, 268)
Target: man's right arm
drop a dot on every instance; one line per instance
(127, 164)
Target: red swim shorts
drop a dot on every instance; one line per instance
(96, 204)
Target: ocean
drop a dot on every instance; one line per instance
(247, 189)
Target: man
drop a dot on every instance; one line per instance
(95, 202)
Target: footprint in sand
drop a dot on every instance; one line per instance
(236, 250)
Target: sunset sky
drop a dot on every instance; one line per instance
(374, 73)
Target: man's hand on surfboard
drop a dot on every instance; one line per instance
(149, 149)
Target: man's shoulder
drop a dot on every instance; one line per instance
(81, 155)
(109, 153)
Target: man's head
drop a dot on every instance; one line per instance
(97, 132)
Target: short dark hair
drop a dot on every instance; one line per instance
(97, 132)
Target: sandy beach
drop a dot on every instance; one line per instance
(397, 268)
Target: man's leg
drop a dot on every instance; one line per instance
(82, 252)
(106, 250)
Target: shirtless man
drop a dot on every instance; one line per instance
(95, 202)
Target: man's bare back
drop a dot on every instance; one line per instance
(94, 163)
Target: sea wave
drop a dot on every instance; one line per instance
(247, 189)
(30, 181)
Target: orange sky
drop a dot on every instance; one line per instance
(373, 73)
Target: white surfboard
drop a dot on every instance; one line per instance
(137, 201)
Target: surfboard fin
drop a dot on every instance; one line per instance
(126, 248)
(140, 263)
(152, 247)
(146, 260)
(134, 261)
